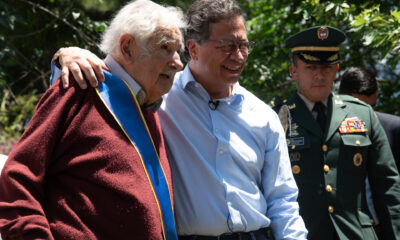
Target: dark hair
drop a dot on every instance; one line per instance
(358, 80)
(203, 12)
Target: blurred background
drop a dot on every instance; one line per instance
(31, 31)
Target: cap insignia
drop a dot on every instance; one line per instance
(334, 57)
(323, 33)
(309, 57)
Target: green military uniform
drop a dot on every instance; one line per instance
(330, 165)
(330, 168)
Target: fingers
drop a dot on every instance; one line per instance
(82, 64)
(65, 76)
(78, 76)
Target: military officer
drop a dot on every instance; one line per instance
(334, 142)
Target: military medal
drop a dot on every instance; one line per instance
(286, 120)
(352, 125)
(357, 159)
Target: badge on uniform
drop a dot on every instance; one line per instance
(352, 125)
(357, 159)
(286, 120)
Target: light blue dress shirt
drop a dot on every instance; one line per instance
(231, 170)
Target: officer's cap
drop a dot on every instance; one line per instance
(317, 45)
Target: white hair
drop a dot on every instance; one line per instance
(140, 19)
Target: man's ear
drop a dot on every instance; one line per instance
(292, 70)
(192, 49)
(127, 45)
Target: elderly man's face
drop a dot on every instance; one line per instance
(155, 71)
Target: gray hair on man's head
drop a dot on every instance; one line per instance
(202, 13)
(140, 19)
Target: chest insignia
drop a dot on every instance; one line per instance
(288, 125)
(357, 159)
(352, 125)
(294, 156)
(338, 102)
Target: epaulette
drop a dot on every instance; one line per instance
(349, 99)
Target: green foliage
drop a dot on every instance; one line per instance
(30, 33)
(14, 115)
(373, 42)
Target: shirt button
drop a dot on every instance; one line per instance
(328, 188)
(331, 209)
(324, 148)
(326, 168)
(357, 142)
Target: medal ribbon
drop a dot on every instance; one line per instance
(123, 105)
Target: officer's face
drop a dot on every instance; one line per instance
(314, 81)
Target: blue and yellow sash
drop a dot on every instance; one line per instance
(122, 104)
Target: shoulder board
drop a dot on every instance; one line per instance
(349, 99)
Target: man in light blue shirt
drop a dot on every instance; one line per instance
(228, 153)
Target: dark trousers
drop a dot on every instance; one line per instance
(261, 234)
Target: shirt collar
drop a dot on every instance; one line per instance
(310, 104)
(119, 71)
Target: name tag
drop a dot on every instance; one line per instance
(298, 141)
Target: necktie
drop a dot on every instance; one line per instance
(319, 108)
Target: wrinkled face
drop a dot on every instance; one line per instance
(315, 82)
(155, 70)
(371, 100)
(213, 65)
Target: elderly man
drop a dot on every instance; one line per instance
(229, 157)
(92, 163)
(335, 141)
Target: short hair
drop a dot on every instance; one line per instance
(140, 19)
(358, 80)
(204, 12)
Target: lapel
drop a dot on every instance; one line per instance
(303, 117)
(335, 114)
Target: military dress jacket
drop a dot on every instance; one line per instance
(330, 168)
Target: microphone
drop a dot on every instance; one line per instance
(213, 104)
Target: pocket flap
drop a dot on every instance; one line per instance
(356, 140)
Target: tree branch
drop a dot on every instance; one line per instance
(80, 33)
